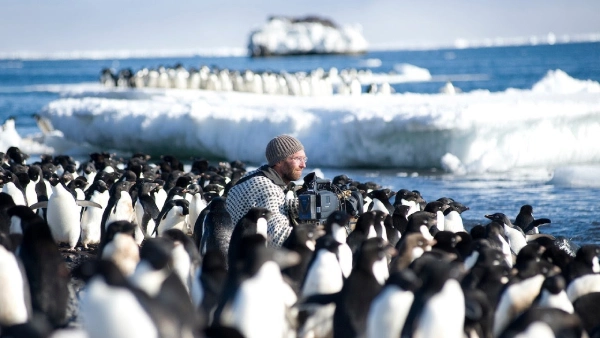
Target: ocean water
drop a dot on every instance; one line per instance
(554, 86)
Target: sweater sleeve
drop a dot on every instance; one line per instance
(278, 226)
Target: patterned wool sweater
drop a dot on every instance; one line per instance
(265, 190)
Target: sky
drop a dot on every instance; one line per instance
(92, 25)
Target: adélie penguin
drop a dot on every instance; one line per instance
(14, 290)
(119, 246)
(260, 300)
(389, 309)
(252, 223)
(63, 211)
(217, 228)
(46, 270)
(111, 307)
(120, 205)
(172, 216)
(361, 287)
(302, 240)
(186, 263)
(335, 226)
(146, 210)
(438, 308)
(91, 218)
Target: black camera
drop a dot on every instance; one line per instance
(318, 201)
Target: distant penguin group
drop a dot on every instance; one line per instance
(317, 82)
(166, 260)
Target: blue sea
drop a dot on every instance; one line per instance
(27, 87)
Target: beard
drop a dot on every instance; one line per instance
(292, 174)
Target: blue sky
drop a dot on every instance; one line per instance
(67, 25)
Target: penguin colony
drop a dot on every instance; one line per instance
(315, 83)
(170, 263)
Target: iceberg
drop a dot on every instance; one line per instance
(483, 131)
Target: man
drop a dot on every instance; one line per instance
(268, 186)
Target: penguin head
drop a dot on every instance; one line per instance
(303, 236)
(34, 172)
(373, 250)
(588, 255)
(499, 218)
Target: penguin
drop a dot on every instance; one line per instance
(324, 276)
(390, 307)
(6, 202)
(173, 216)
(46, 270)
(553, 295)
(63, 212)
(12, 186)
(260, 300)
(14, 290)
(409, 248)
(361, 287)
(119, 207)
(521, 292)
(217, 228)
(516, 238)
(119, 246)
(453, 219)
(400, 218)
(91, 218)
(112, 307)
(585, 262)
(363, 230)
(409, 198)
(253, 222)
(213, 275)
(32, 189)
(545, 322)
(302, 240)
(197, 202)
(423, 222)
(336, 225)
(438, 308)
(186, 263)
(527, 222)
(145, 209)
(380, 201)
(324, 273)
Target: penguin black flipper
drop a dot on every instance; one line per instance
(86, 203)
(149, 206)
(321, 299)
(38, 205)
(536, 223)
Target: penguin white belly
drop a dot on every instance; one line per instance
(514, 300)
(345, 258)
(453, 222)
(258, 309)
(123, 210)
(124, 252)
(182, 265)
(31, 194)
(91, 219)
(515, 239)
(173, 220)
(583, 285)
(12, 293)
(388, 312)
(114, 312)
(197, 204)
(413, 206)
(63, 217)
(324, 275)
(444, 313)
(16, 194)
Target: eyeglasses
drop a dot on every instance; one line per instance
(299, 159)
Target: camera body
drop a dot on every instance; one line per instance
(318, 201)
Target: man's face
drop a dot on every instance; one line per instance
(290, 169)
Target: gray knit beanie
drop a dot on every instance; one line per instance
(281, 147)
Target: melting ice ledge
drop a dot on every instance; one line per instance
(555, 124)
